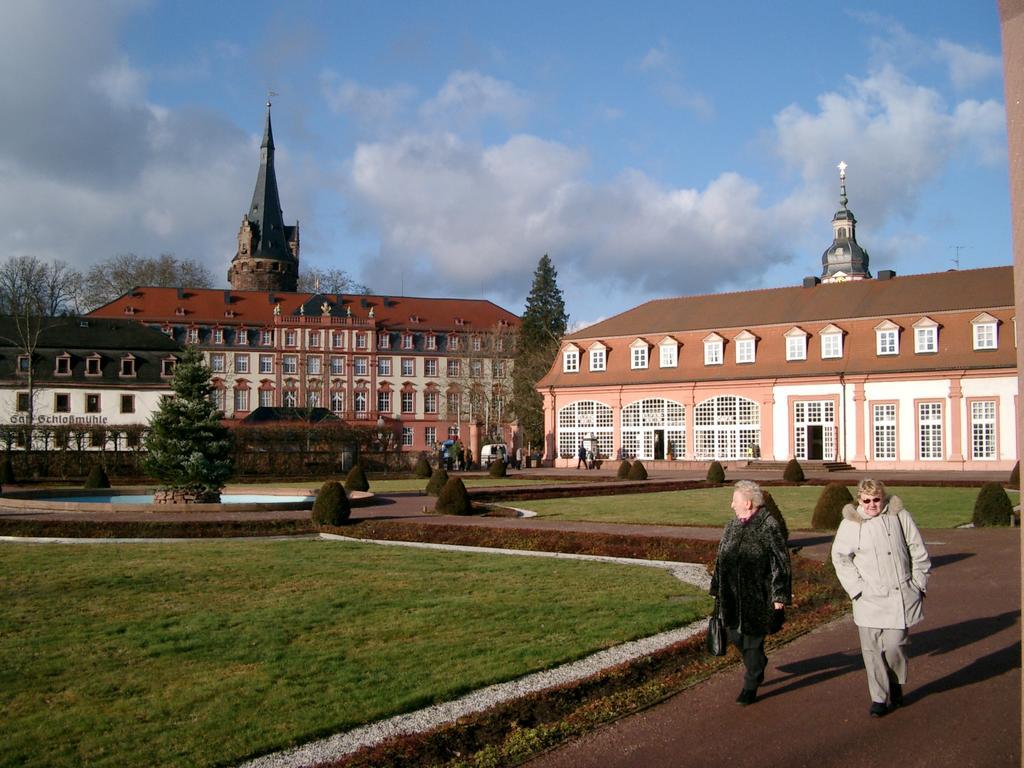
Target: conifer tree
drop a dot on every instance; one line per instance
(189, 450)
(540, 333)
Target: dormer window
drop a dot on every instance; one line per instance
(746, 347)
(453, 343)
(713, 345)
(985, 332)
(242, 337)
(796, 344)
(192, 336)
(887, 338)
(638, 351)
(407, 341)
(669, 353)
(571, 360)
(63, 367)
(384, 340)
(179, 311)
(476, 344)
(926, 336)
(598, 357)
(93, 365)
(360, 340)
(430, 341)
(129, 310)
(831, 342)
(167, 367)
(128, 365)
(218, 335)
(267, 338)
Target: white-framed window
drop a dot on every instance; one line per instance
(266, 363)
(266, 398)
(453, 369)
(242, 338)
(360, 366)
(571, 360)
(831, 345)
(430, 402)
(408, 366)
(598, 359)
(713, 351)
(430, 367)
(408, 402)
(290, 364)
(359, 401)
(929, 430)
(887, 339)
(337, 366)
(407, 341)
(453, 342)
(218, 335)
(314, 338)
(745, 350)
(983, 429)
(430, 435)
(476, 344)
(926, 339)
(669, 355)
(884, 426)
(384, 401)
(192, 336)
(430, 342)
(337, 340)
(291, 339)
(241, 399)
(313, 365)
(337, 401)
(312, 399)
(985, 332)
(291, 398)
(217, 362)
(241, 364)
(383, 366)
(796, 345)
(267, 338)
(220, 399)
(638, 356)
(360, 340)
(406, 436)
(383, 340)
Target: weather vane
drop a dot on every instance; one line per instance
(842, 170)
(270, 94)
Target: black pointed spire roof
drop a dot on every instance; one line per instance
(265, 213)
(844, 259)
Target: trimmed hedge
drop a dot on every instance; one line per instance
(437, 481)
(498, 469)
(454, 499)
(638, 471)
(356, 479)
(793, 473)
(993, 506)
(716, 473)
(624, 468)
(828, 511)
(7, 471)
(331, 506)
(422, 468)
(1015, 475)
(97, 478)
(773, 509)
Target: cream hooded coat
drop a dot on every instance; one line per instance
(885, 577)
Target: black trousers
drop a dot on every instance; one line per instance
(751, 648)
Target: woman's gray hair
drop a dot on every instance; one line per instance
(751, 491)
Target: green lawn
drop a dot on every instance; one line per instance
(931, 507)
(209, 652)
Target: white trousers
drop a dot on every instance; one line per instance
(884, 650)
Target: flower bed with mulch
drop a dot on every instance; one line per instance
(149, 529)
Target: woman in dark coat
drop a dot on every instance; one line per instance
(752, 581)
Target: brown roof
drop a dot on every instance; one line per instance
(932, 292)
(253, 308)
(951, 299)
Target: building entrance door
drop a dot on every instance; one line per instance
(815, 442)
(659, 444)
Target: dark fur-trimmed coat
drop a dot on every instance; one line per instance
(752, 571)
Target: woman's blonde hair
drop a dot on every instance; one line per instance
(869, 486)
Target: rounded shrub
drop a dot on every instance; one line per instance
(828, 511)
(437, 481)
(422, 468)
(773, 510)
(624, 468)
(97, 478)
(356, 479)
(716, 473)
(454, 499)
(638, 471)
(1015, 475)
(498, 469)
(993, 506)
(793, 472)
(331, 506)
(7, 471)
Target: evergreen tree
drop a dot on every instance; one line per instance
(188, 448)
(540, 333)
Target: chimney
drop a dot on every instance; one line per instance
(886, 274)
(810, 282)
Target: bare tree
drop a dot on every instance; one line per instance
(329, 281)
(117, 275)
(484, 379)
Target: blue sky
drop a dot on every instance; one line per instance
(441, 148)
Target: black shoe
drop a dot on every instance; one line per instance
(747, 696)
(878, 710)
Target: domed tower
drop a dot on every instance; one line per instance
(844, 259)
(268, 252)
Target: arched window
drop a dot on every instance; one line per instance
(587, 422)
(726, 427)
(654, 429)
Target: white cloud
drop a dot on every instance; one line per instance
(371, 106)
(468, 97)
(967, 67)
(670, 85)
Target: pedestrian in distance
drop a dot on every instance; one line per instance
(752, 582)
(882, 563)
(581, 456)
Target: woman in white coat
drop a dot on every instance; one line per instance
(882, 563)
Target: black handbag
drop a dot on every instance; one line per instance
(777, 620)
(716, 633)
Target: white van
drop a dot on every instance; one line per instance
(492, 452)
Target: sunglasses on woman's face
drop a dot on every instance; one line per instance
(873, 500)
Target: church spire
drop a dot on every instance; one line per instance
(844, 259)
(268, 251)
